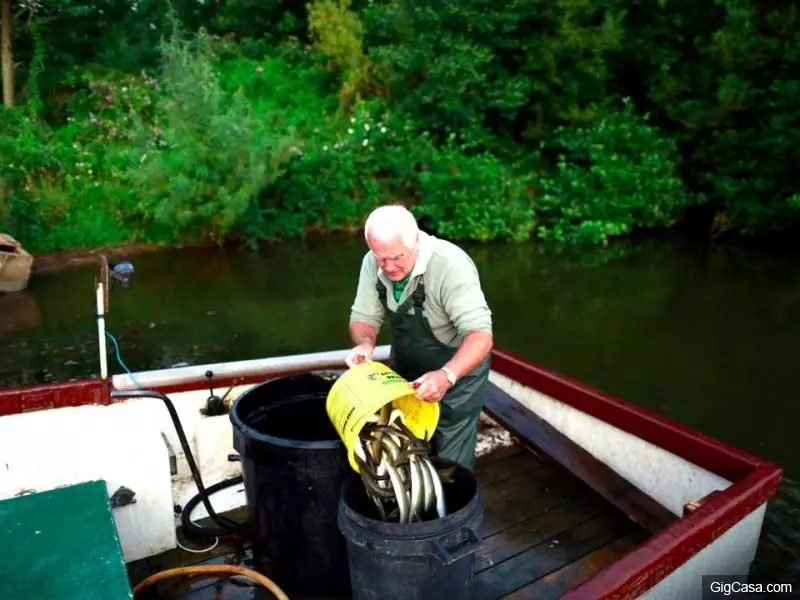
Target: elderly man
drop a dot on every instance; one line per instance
(441, 324)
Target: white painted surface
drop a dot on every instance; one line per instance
(210, 440)
(212, 443)
(666, 477)
(127, 443)
(44, 450)
(732, 553)
(101, 330)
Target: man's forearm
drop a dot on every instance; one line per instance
(361, 333)
(472, 351)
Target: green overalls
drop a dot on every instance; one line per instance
(415, 350)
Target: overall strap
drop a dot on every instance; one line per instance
(418, 295)
(381, 291)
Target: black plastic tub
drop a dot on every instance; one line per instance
(431, 560)
(294, 465)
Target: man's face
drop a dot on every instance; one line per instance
(394, 259)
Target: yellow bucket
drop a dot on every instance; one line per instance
(363, 390)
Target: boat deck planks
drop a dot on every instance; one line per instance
(544, 532)
(538, 434)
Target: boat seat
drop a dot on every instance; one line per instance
(61, 544)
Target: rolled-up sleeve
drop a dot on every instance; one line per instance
(463, 299)
(367, 307)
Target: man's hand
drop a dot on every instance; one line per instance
(432, 386)
(359, 354)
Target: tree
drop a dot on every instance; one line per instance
(6, 56)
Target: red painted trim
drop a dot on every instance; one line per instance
(52, 395)
(638, 571)
(711, 454)
(93, 391)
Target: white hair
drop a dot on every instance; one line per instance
(387, 223)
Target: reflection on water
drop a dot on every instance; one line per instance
(707, 337)
(18, 311)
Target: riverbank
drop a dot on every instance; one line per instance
(45, 263)
(49, 262)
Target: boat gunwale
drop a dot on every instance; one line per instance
(647, 564)
(754, 480)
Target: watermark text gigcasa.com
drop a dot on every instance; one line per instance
(727, 586)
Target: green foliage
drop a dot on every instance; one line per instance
(58, 192)
(336, 179)
(574, 121)
(337, 34)
(721, 77)
(475, 197)
(206, 157)
(519, 68)
(613, 175)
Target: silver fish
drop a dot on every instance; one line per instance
(417, 492)
(397, 472)
(389, 444)
(441, 508)
(430, 492)
(399, 493)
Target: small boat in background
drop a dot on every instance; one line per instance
(15, 265)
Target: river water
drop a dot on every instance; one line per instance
(707, 336)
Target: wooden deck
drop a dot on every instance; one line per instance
(544, 532)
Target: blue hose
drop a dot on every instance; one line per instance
(122, 362)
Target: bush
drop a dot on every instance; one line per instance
(474, 197)
(613, 175)
(207, 157)
(492, 122)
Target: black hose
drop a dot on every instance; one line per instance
(227, 525)
(193, 528)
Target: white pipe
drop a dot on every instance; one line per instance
(101, 331)
(275, 365)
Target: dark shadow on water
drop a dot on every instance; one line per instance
(778, 558)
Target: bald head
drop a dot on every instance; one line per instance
(392, 235)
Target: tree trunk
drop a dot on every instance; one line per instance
(6, 57)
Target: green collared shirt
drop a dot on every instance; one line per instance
(398, 287)
(455, 304)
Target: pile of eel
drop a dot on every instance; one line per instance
(396, 470)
